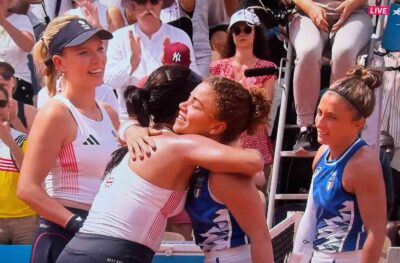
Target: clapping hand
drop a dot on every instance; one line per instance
(91, 13)
(136, 50)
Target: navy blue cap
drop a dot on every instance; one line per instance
(74, 34)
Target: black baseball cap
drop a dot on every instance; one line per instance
(74, 34)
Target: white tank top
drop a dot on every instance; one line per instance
(80, 165)
(131, 208)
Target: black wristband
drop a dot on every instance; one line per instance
(74, 224)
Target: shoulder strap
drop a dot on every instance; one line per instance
(21, 113)
(58, 6)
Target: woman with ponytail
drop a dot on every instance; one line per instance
(345, 218)
(72, 137)
(129, 214)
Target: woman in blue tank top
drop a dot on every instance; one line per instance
(345, 216)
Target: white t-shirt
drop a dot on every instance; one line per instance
(10, 52)
(104, 93)
(118, 68)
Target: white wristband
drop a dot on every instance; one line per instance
(124, 126)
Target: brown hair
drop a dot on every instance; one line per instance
(357, 89)
(241, 109)
(260, 45)
(41, 52)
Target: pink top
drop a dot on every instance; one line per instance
(260, 140)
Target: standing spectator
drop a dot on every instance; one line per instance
(72, 137)
(347, 25)
(135, 51)
(18, 221)
(21, 114)
(16, 41)
(246, 48)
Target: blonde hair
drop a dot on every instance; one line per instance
(41, 52)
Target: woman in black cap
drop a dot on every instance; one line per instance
(72, 137)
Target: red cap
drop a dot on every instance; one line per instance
(176, 53)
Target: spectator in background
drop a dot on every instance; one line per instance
(18, 222)
(246, 48)
(16, 41)
(348, 27)
(94, 12)
(218, 37)
(21, 115)
(385, 156)
(136, 50)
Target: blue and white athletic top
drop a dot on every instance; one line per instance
(339, 224)
(214, 226)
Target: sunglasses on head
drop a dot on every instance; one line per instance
(246, 29)
(6, 75)
(3, 103)
(143, 2)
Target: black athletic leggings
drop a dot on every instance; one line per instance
(50, 239)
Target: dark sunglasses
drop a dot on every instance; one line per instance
(6, 75)
(143, 2)
(236, 30)
(3, 103)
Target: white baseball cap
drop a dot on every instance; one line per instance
(244, 15)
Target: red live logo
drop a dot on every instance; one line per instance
(376, 10)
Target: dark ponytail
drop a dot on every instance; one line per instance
(138, 104)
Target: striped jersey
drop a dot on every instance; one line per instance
(10, 205)
(131, 208)
(214, 227)
(339, 224)
(80, 165)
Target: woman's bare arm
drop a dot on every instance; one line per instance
(51, 130)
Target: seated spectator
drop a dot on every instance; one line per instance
(21, 114)
(16, 41)
(136, 50)
(246, 48)
(348, 27)
(218, 37)
(18, 221)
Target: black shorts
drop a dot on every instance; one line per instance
(50, 239)
(91, 248)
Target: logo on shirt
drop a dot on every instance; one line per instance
(176, 57)
(331, 181)
(108, 181)
(91, 141)
(316, 172)
(198, 186)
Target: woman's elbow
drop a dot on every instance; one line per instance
(24, 192)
